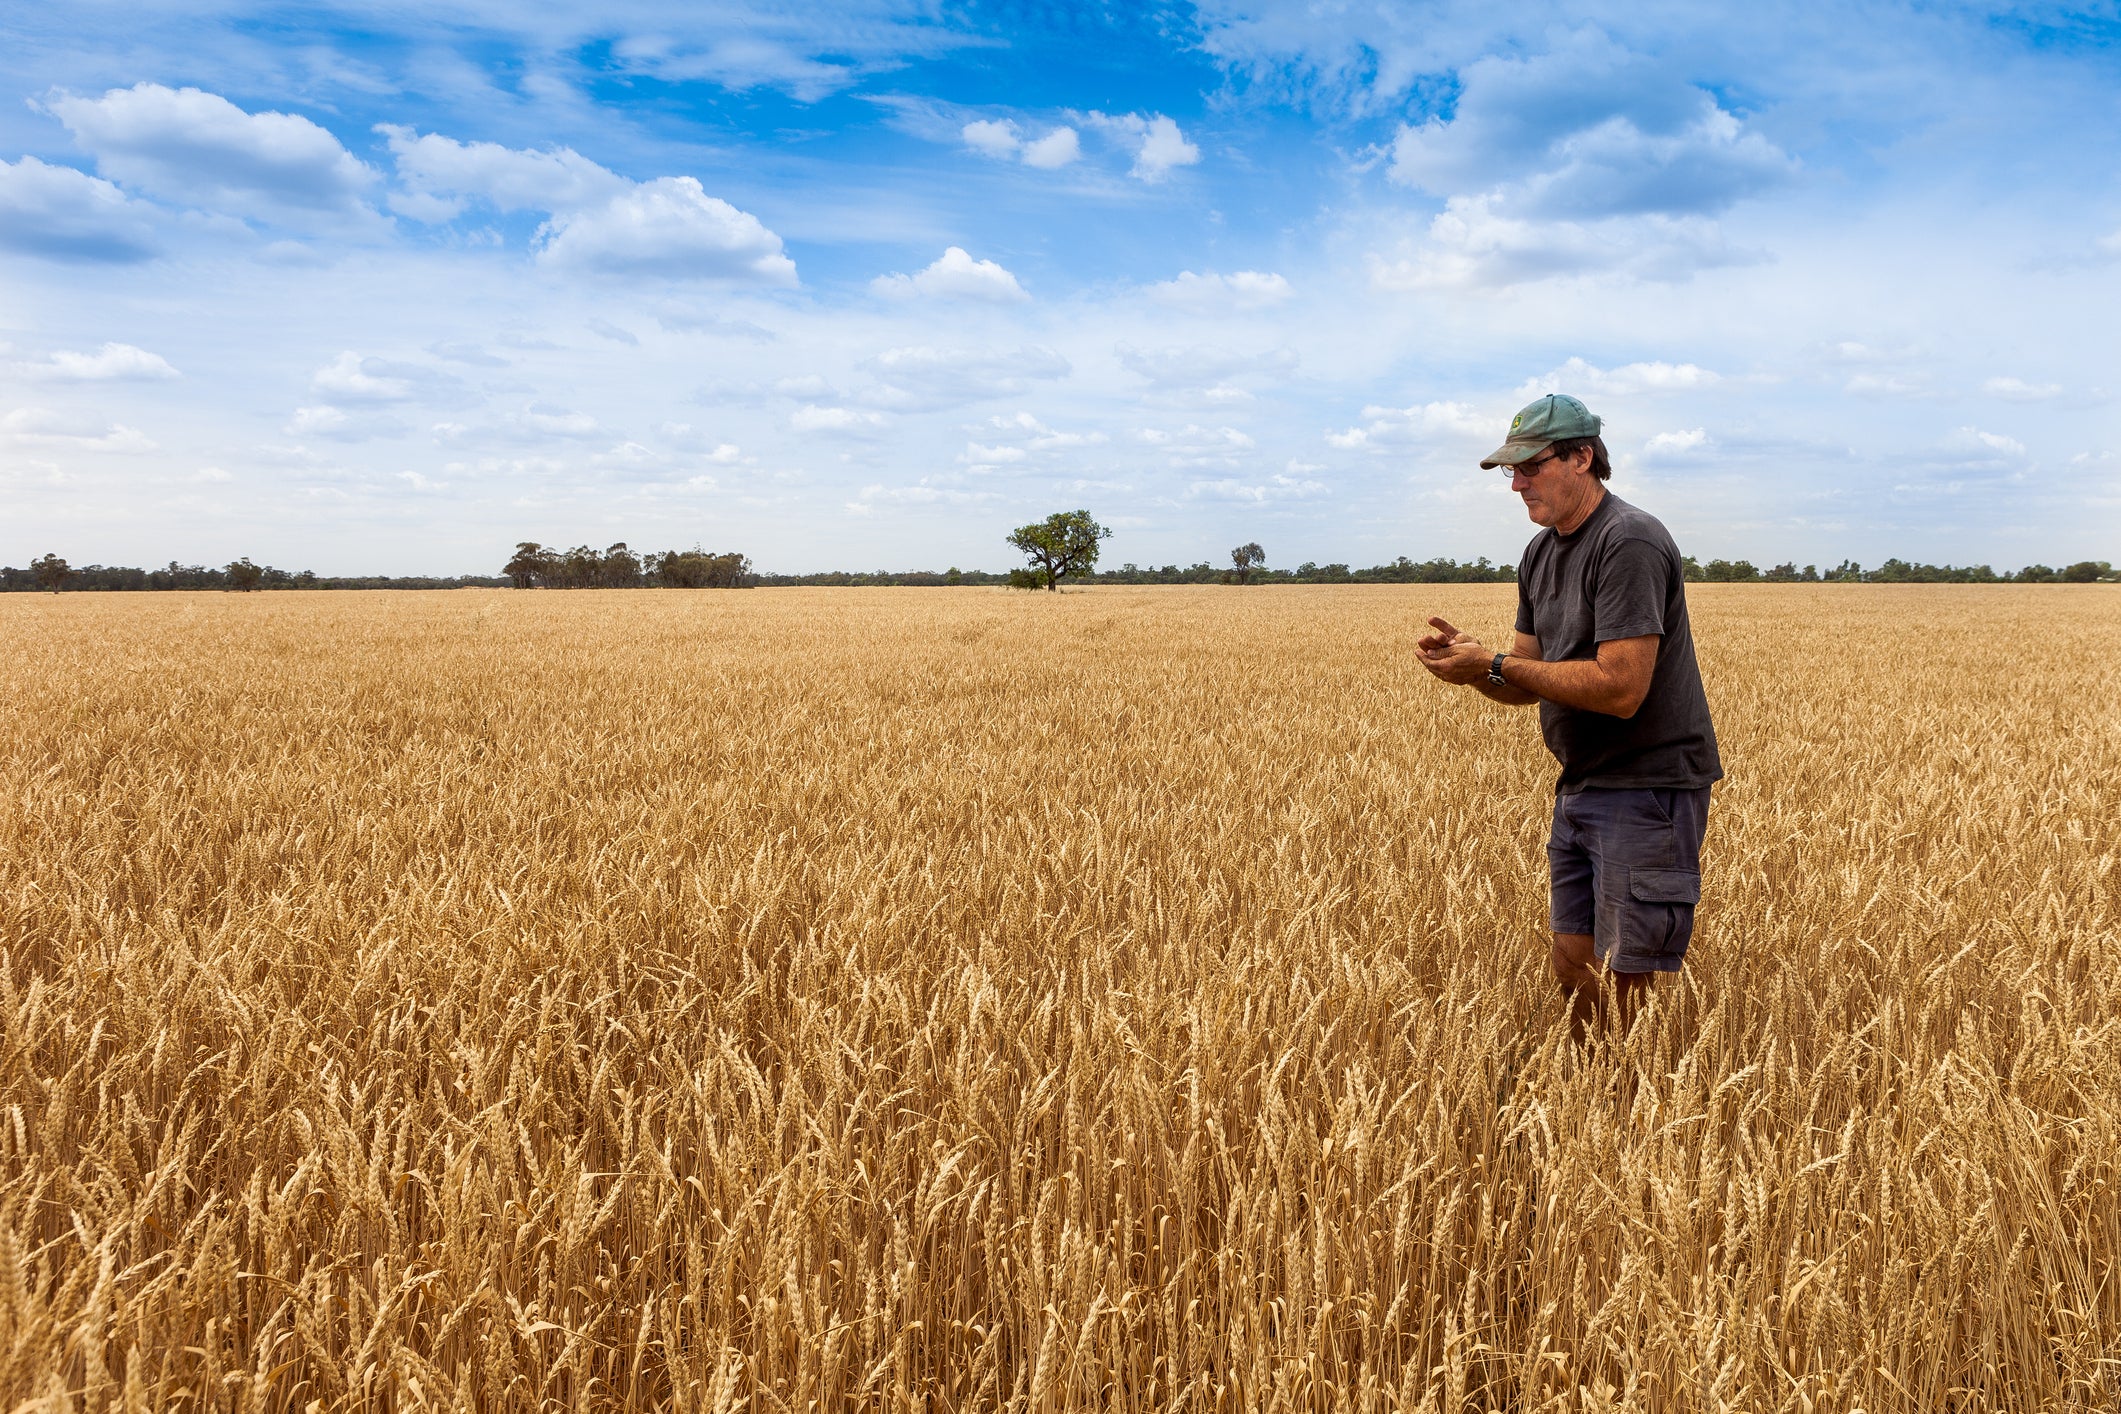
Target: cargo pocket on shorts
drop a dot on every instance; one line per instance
(1660, 913)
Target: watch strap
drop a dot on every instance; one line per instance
(1495, 671)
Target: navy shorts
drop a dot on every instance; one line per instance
(1627, 870)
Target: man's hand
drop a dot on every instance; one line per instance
(1453, 656)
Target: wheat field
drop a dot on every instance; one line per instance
(951, 1000)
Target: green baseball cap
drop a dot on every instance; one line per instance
(1553, 418)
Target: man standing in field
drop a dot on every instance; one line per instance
(1604, 648)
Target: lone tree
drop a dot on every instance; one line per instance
(1062, 544)
(244, 575)
(51, 572)
(1248, 558)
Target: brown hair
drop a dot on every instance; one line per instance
(1601, 464)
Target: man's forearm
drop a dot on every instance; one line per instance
(1507, 695)
(1582, 683)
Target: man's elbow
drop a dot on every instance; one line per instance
(1625, 700)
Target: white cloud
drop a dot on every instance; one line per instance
(1195, 445)
(1676, 445)
(1471, 245)
(353, 378)
(110, 363)
(1205, 377)
(844, 421)
(1056, 149)
(1423, 422)
(1579, 378)
(1036, 436)
(1003, 139)
(687, 438)
(979, 454)
(440, 174)
(339, 425)
(1159, 145)
(1972, 445)
(993, 137)
(2017, 390)
(41, 427)
(1245, 290)
(1279, 487)
(921, 378)
(954, 275)
(198, 149)
(62, 214)
(1886, 385)
(668, 228)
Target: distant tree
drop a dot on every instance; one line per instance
(2086, 572)
(244, 575)
(621, 568)
(1063, 544)
(1021, 578)
(1247, 558)
(953, 576)
(698, 569)
(2037, 574)
(51, 572)
(530, 566)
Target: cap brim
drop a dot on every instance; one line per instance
(1511, 453)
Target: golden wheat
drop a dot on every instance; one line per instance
(954, 1000)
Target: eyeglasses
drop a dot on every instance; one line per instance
(1530, 468)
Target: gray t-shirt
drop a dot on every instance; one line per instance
(1619, 576)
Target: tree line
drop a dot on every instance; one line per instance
(51, 574)
(1061, 549)
(533, 566)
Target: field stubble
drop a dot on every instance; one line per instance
(952, 1000)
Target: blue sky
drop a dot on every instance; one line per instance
(387, 288)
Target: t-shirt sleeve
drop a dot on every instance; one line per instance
(1524, 602)
(1633, 582)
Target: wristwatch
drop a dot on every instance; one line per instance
(1495, 671)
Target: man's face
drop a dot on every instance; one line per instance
(1554, 488)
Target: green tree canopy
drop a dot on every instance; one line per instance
(1062, 544)
(1248, 558)
(51, 572)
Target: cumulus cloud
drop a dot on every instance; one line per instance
(1244, 290)
(955, 275)
(1676, 446)
(1579, 378)
(1159, 146)
(1033, 435)
(843, 421)
(1056, 149)
(1587, 131)
(1205, 377)
(441, 174)
(1383, 427)
(920, 378)
(1584, 160)
(108, 364)
(2017, 390)
(1473, 245)
(1195, 445)
(668, 228)
(338, 425)
(198, 149)
(1003, 139)
(360, 379)
(62, 214)
(998, 137)
(42, 427)
(1292, 485)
